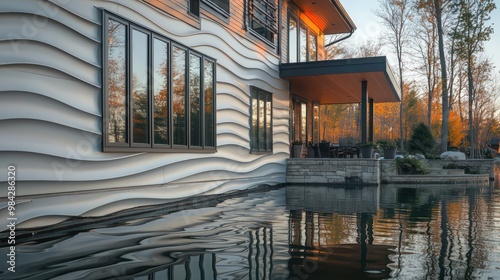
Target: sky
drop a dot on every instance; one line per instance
(369, 26)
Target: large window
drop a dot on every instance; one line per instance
(302, 42)
(261, 135)
(262, 18)
(158, 95)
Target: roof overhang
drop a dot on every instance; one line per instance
(339, 81)
(329, 15)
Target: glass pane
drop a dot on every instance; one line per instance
(312, 47)
(179, 95)
(140, 87)
(223, 4)
(117, 97)
(292, 41)
(160, 91)
(262, 131)
(269, 122)
(316, 124)
(303, 124)
(194, 99)
(303, 43)
(254, 138)
(208, 79)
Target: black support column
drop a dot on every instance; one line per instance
(364, 111)
(370, 122)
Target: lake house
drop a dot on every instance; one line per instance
(109, 105)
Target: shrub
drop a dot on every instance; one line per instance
(411, 165)
(421, 141)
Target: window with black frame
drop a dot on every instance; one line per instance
(261, 136)
(302, 41)
(158, 94)
(262, 15)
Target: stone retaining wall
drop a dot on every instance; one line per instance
(477, 166)
(373, 171)
(335, 171)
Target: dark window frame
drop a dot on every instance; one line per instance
(129, 146)
(309, 32)
(212, 4)
(194, 8)
(255, 146)
(270, 24)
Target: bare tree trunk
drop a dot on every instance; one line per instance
(471, 100)
(444, 78)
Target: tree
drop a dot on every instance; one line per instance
(471, 31)
(438, 13)
(421, 140)
(396, 15)
(425, 43)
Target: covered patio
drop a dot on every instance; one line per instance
(344, 81)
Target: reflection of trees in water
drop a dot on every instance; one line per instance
(446, 231)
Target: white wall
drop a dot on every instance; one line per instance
(51, 116)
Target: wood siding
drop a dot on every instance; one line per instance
(51, 115)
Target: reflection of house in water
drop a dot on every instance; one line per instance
(196, 267)
(211, 266)
(318, 237)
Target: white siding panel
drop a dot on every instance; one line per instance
(50, 105)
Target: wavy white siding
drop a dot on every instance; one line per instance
(51, 115)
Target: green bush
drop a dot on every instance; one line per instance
(421, 141)
(411, 165)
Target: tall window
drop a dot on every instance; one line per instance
(158, 95)
(262, 18)
(302, 42)
(261, 136)
(292, 40)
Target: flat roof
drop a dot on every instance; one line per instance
(329, 15)
(339, 81)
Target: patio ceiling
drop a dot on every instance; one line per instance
(328, 15)
(339, 81)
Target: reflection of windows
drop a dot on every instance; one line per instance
(220, 5)
(262, 18)
(158, 94)
(302, 42)
(261, 137)
(299, 120)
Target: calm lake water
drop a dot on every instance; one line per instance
(295, 232)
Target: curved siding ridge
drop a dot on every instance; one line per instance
(225, 169)
(245, 77)
(228, 102)
(249, 46)
(55, 59)
(83, 97)
(53, 33)
(31, 15)
(227, 140)
(231, 117)
(22, 105)
(38, 65)
(234, 63)
(81, 9)
(232, 91)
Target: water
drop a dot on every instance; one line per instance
(297, 232)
